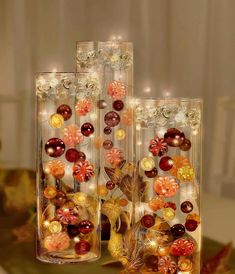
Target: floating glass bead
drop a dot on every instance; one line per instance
(59, 199)
(166, 163)
(110, 185)
(191, 225)
(168, 214)
(166, 265)
(178, 230)
(185, 265)
(158, 147)
(186, 207)
(72, 155)
(73, 230)
(112, 119)
(118, 105)
(120, 134)
(117, 90)
(182, 247)
(50, 192)
(85, 227)
(152, 173)
(55, 227)
(56, 168)
(55, 147)
(147, 221)
(107, 144)
(65, 111)
(87, 129)
(147, 163)
(174, 138)
(107, 130)
(166, 186)
(156, 203)
(101, 104)
(56, 120)
(186, 174)
(82, 247)
(186, 145)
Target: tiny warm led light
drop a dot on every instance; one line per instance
(138, 127)
(120, 134)
(92, 136)
(139, 143)
(195, 132)
(46, 223)
(93, 116)
(147, 89)
(167, 93)
(76, 239)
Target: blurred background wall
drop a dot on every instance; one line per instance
(182, 48)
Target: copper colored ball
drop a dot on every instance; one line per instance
(110, 185)
(112, 119)
(118, 105)
(107, 144)
(166, 163)
(178, 230)
(107, 130)
(65, 111)
(82, 247)
(59, 199)
(147, 221)
(191, 225)
(186, 145)
(87, 129)
(152, 173)
(72, 155)
(186, 207)
(85, 227)
(174, 138)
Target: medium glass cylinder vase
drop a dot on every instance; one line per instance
(68, 209)
(114, 62)
(168, 180)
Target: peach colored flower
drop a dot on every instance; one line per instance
(72, 135)
(83, 107)
(117, 90)
(57, 242)
(166, 186)
(182, 247)
(83, 171)
(56, 168)
(156, 203)
(179, 161)
(127, 117)
(114, 156)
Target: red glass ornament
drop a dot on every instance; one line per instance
(191, 225)
(166, 163)
(55, 147)
(151, 262)
(171, 205)
(112, 119)
(147, 221)
(152, 173)
(118, 105)
(85, 227)
(73, 230)
(110, 185)
(87, 129)
(182, 247)
(186, 145)
(174, 138)
(82, 247)
(107, 130)
(59, 199)
(65, 111)
(186, 207)
(178, 230)
(101, 104)
(72, 155)
(107, 144)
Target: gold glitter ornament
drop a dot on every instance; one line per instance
(186, 174)
(185, 264)
(55, 227)
(193, 216)
(168, 214)
(102, 191)
(56, 120)
(147, 163)
(120, 134)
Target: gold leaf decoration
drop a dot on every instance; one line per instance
(219, 263)
(115, 245)
(112, 210)
(114, 174)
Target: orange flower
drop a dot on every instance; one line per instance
(83, 107)
(56, 168)
(57, 242)
(117, 90)
(156, 203)
(127, 117)
(179, 161)
(166, 186)
(114, 156)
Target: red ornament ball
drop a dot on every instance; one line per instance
(191, 225)
(107, 144)
(59, 199)
(166, 163)
(178, 230)
(151, 262)
(186, 145)
(182, 247)
(54, 147)
(110, 185)
(65, 111)
(152, 173)
(73, 230)
(171, 205)
(112, 119)
(118, 105)
(72, 155)
(107, 130)
(85, 227)
(82, 247)
(147, 221)
(87, 129)
(186, 207)
(174, 138)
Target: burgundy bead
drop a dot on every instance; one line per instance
(166, 163)
(82, 247)
(147, 221)
(107, 144)
(65, 111)
(152, 173)
(191, 225)
(87, 129)
(73, 230)
(173, 137)
(186, 145)
(72, 155)
(59, 199)
(107, 130)
(186, 207)
(55, 147)
(178, 230)
(101, 104)
(151, 262)
(171, 205)
(112, 119)
(110, 185)
(118, 105)
(85, 227)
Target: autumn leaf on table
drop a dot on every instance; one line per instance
(219, 263)
(24, 233)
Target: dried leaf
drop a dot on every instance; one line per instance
(219, 263)
(114, 174)
(130, 239)
(112, 210)
(115, 245)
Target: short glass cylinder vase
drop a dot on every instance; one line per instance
(168, 153)
(68, 208)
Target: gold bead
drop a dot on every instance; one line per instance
(102, 191)
(186, 173)
(120, 134)
(147, 163)
(168, 214)
(55, 227)
(56, 120)
(185, 264)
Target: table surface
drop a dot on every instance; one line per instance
(20, 258)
